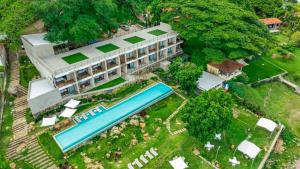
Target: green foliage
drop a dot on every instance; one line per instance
(27, 71)
(50, 146)
(295, 38)
(109, 84)
(218, 26)
(15, 16)
(186, 74)
(209, 113)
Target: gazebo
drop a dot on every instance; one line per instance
(248, 148)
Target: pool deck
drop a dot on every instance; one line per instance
(78, 134)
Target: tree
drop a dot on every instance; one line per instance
(77, 21)
(207, 114)
(185, 73)
(218, 26)
(15, 16)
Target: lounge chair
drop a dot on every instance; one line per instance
(92, 113)
(84, 116)
(138, 163)
(142, 157)
(148, 154)
(99, 109)
(152, 150)
(129, 165)
(77, 119)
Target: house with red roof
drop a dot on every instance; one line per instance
(227, 70)
(273, 24)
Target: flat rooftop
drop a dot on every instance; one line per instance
(39, 87)
(56, 65)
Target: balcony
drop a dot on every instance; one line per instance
(112, 74)
(99, 79)
(130, 58)
(98, 69)
(171, 42)
(152, 50)
(84, 85)
(142, 54)
(83, 75)
(64, 83)
(111, 65)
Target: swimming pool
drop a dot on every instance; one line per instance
(81, 132)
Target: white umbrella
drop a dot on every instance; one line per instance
(209, 146)
(48, 121)
(67, 112)
(72, 104)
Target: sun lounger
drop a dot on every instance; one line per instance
(129, 165)
(77, 119)
(99, 109)
(153, 152)
(84, 116)
(142, 158)
(92, 113)
(138, 163)
(148, 154)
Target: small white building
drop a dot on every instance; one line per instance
(208, 81)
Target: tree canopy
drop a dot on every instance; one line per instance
(185, 73)
(220, 27)
(208, 114)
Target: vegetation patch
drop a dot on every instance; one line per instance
(134, 39)
(109, 84)
(260, 69)
(1, 68)
(108, 48)
(77, 57)
(157, 32)
(27, 71)
(50, 146)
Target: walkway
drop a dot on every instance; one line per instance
(22, 146)
(292, 85)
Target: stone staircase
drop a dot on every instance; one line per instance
(35, 155)
(24, 147)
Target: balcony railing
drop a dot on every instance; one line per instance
(111, 65)
(161, 46)
(142, 54)
(64, 83)
(171, 43)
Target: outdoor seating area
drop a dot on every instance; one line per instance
(143, 159)
(89, 114)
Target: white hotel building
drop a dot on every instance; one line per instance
(100, 62)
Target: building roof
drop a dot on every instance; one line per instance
(208, 81)
(57, 66)
(228, 66)
(270, 21)
(37, 39)
(39, 87)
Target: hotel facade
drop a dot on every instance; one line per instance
(70, 72)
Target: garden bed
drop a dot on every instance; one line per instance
(134, 39)
(77, 57)
(107, 48)
(157, 32)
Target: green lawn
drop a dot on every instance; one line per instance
(134, 39)
(157, 32)
(77, 57)
(290, 65)
(49, 144)
(260, 69)
(281, 104)
(107, 48)
(109, 84)
(27, 71)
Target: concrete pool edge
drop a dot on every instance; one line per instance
(147, 104)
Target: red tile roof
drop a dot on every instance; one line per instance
(228, 66)
(270, 21)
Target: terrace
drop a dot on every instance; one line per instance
(131, 56)
(152, 48)
(157, 32)
(84, 85)
(171, 41)
(113, 74)
(142, 52)
(99, 79)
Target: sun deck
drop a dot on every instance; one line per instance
(84, 131)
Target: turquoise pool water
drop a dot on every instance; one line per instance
(81, 132)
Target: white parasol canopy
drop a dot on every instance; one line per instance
(267, 124)
(248, 148)
(67, 112)
(178, 163)
(72, 104)
(48, 121)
